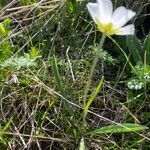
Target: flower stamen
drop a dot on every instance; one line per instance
(108, 29)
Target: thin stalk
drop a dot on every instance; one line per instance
(92, 71)
(127, 58)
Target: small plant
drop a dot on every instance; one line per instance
(66, 83)
(142, 79)
(6, 47)
(23, 61)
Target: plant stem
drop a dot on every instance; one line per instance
(92, 71)
(127, 58)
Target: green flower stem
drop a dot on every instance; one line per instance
(92, 71)
(127, 58)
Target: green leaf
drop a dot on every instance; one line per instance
(127, 127)
(105, 56)
(93, 96)
(82, 145)
(57, 75)
(70, 5)
(4, 27)
(7, 22)
(146, 48)
(3, 31)
(5, 50)
(135, 84)
(2, 138)
(135, 47)
(19, 62)
(7, 125)
(2, 130)
(34, 53)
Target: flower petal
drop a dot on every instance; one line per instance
(127, 30)
(105, 9)
(94, 11)
(119, 17)
(131, 14)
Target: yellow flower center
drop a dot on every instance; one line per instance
(108, 29)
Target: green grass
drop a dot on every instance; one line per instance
(46, 53)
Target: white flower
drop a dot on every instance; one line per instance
(111, 22)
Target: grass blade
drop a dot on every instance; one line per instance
(127, 127)
(2, 137)
(93, 96)
(82, 145)
(146, 48)
(57, 75)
